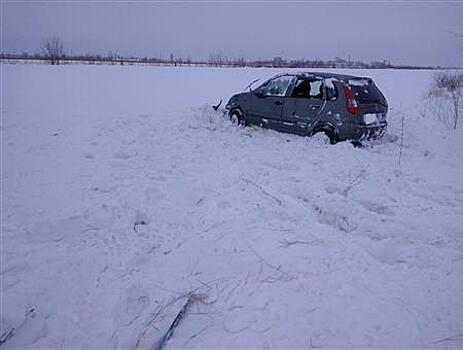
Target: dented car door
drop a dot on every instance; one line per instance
(304, 105)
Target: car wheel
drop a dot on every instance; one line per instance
(323, 138)
(236, 117)
(332, 136)
(329, 133)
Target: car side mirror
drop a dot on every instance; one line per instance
(259, 93)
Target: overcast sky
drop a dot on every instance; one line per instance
(404, 32)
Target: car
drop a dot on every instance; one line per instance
(343, 107)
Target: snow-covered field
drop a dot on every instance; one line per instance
(124, 194)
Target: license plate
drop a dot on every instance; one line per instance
(371, 118)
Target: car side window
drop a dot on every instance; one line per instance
(277, 86)
(308, 88)
(331, 90)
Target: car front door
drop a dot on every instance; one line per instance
(266, 102)
(303, 106)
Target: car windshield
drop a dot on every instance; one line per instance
(276, 86)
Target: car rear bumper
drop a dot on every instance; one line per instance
(370, 132)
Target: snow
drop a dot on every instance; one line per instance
(359, 82)
(124, 193)
(330, 82)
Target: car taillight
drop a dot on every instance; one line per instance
(352, 105)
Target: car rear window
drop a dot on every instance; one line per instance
(365, 91)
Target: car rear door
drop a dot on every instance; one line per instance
(266, 103)
(304, 104)
(371, 102)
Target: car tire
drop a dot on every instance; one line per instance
(236, 117)
(329, 132)
(331, 135)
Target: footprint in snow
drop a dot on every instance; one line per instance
(89, 155)
(121, 155)
(335, 220)
(377, 208)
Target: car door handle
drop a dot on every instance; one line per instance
(278, 103)
(315, 107)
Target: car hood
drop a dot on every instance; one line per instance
(234, 99)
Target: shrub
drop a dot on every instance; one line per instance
(445, 97)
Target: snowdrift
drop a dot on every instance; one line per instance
(125, 195)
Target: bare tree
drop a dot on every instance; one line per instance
(451, 84)
(216, 60)
(53, 49)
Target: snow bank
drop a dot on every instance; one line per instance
(125, 194)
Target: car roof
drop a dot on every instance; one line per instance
(324, 75)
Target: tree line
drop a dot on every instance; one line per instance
(53, 52)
